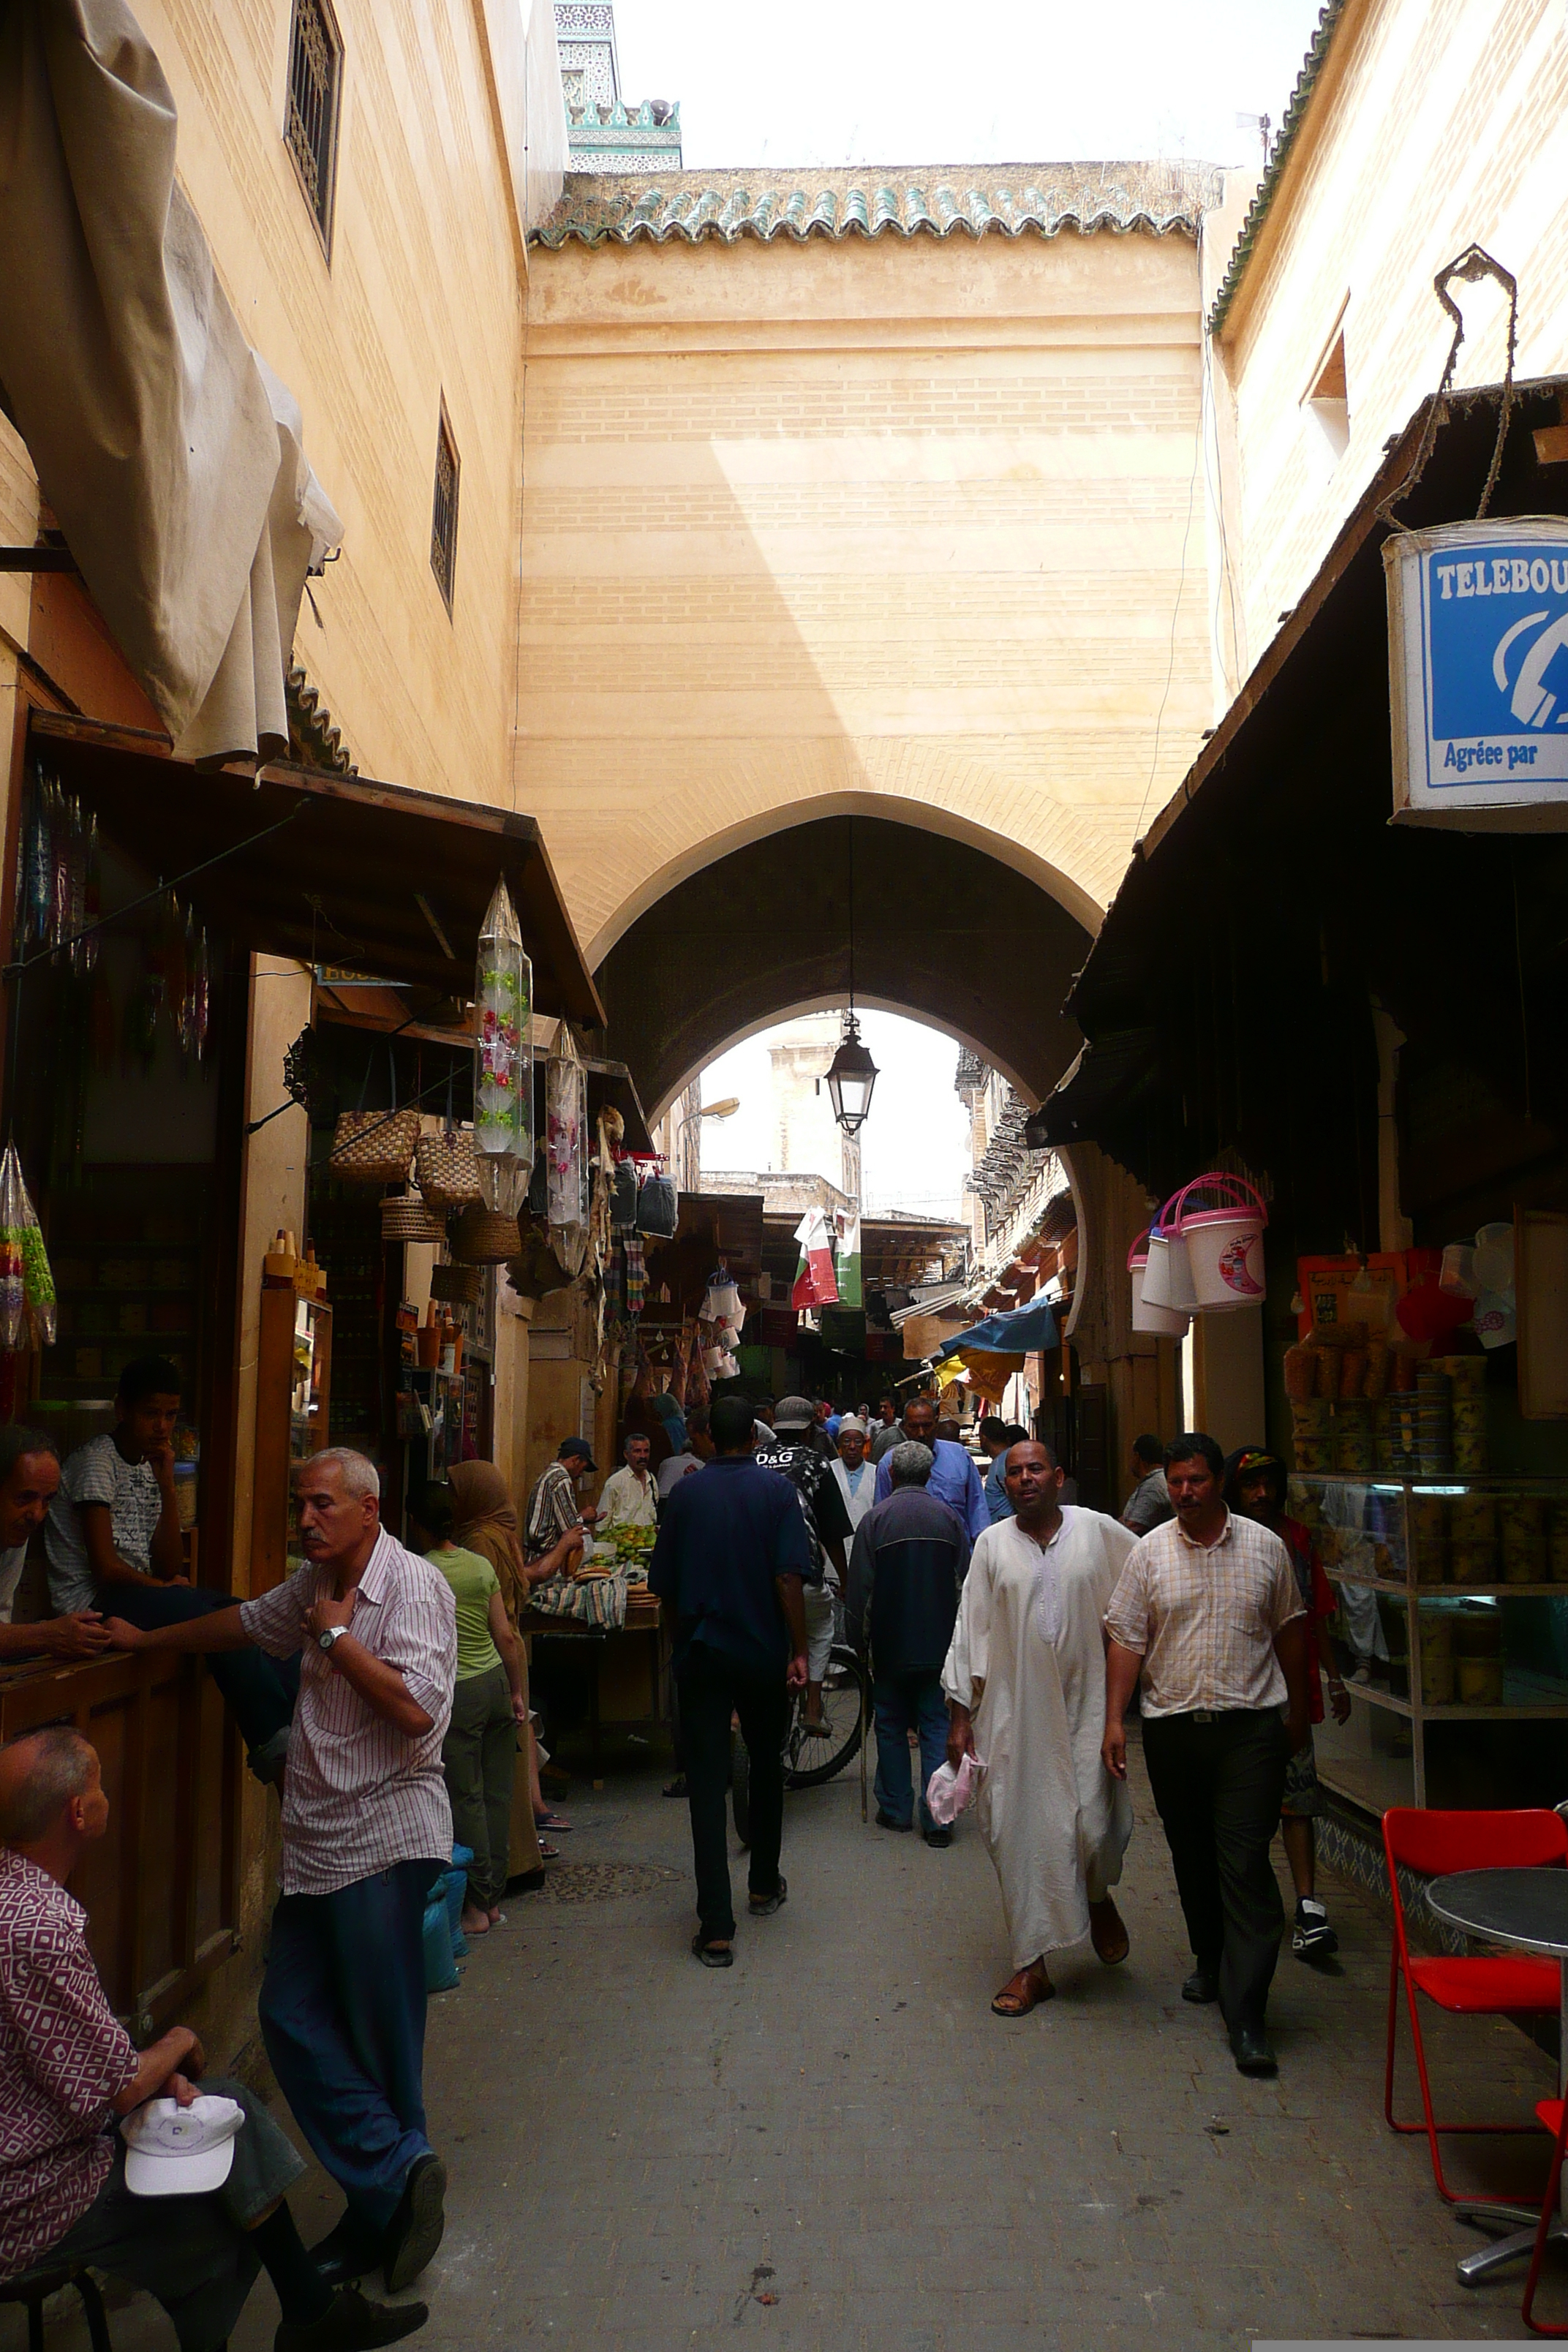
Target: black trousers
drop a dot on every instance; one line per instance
(1217, 1785)
(712, 1686)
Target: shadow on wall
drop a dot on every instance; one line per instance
(942, 932)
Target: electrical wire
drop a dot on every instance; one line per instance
(1175, 616)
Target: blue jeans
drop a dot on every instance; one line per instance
(902, 1704)
(343, 2017)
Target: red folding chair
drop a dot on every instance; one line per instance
(1435, 1843)
(1553, 2113)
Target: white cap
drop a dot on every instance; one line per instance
(853, 1423)
(175, 2151)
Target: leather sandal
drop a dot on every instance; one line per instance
(1108, 1933)
(1036, 1987)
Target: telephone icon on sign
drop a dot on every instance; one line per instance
(1532, 702)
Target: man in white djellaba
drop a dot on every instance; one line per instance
(1024, 1680)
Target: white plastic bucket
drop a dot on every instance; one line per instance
(1220, 1218)
(1167, 1279)
(1169, 1322)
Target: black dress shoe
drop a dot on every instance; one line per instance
(938, 1837)
(349, 2252)
(1202, 1986)
(886, 1822)
(1251, 2051)
(351, 2323)
(419, 2224)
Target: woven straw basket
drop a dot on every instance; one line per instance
(484, 1238)
(407, 1219)
(457, 1285)
(373, 1147)
(447, 1171)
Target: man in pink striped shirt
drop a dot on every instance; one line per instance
(366, 1830)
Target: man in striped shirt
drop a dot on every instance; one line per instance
(366, 1830)
(1206, 1610)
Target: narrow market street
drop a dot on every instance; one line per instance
(837, 2146)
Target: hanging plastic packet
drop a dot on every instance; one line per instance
(503, 1057)
(26, 1283)
(566, 1146)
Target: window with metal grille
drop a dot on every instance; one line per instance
(444, 515)
(310, 126)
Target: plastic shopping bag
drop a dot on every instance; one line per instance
(950, 1793)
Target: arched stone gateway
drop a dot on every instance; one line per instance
(943, 930)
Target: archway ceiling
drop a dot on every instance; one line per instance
(942, 932)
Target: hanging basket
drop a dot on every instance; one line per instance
(373, 1147)
(405, 1218)
(484, 1238)
(447, 1169)
(457, 1285)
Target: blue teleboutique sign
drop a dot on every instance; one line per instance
(1477, 656)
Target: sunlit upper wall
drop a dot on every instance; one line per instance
(859, 519)
(1425, 128)
(417, 308)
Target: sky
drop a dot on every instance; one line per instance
(914, 1148)
(835, 82)
(908, 82)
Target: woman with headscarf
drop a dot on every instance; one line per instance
(487, 1523)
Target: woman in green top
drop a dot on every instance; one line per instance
(478, 1755)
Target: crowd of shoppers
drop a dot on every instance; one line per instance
(1007, 1627)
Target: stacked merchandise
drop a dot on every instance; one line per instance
(1361, 1405)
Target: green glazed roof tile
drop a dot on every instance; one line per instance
(1156, 199)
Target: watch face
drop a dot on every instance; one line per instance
(329, 1637)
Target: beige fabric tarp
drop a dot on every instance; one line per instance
(168, 450)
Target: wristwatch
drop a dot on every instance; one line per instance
(329, 1637)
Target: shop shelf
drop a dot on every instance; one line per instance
(1412, 1521)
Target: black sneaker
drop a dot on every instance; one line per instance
(352, 2323)
(1312, 1938)
(418, 2225)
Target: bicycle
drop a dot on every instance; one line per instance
(809, 1761)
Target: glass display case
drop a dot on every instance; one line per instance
(1454, 1606)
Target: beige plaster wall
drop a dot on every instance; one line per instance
(1435, 123)
(420, 303)
(807, 527)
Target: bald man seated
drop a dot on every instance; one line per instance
(70, 2076)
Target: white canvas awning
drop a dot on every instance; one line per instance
(170, 453)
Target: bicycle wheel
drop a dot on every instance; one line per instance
(809, 1761)
(740, 1788)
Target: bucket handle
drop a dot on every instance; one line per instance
(1218, 1180)
(1138, 1244)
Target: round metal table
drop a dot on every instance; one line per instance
(1526, 1910)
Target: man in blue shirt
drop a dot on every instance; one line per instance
(730, 1566)
(954, 1481)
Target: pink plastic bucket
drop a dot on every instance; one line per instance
(1167, 1279)
(1220, 1218)
(1169, 1322)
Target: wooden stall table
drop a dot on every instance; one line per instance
(624, 1659)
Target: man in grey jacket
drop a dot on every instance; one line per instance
(908, 1561)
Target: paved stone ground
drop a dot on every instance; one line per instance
(835, 2148)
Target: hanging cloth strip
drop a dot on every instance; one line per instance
(636, 1275)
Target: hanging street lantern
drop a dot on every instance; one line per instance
(851, 1076)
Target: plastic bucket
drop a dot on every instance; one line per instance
(1169, 1322)
(1220, 1220)
(1167, 1279)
